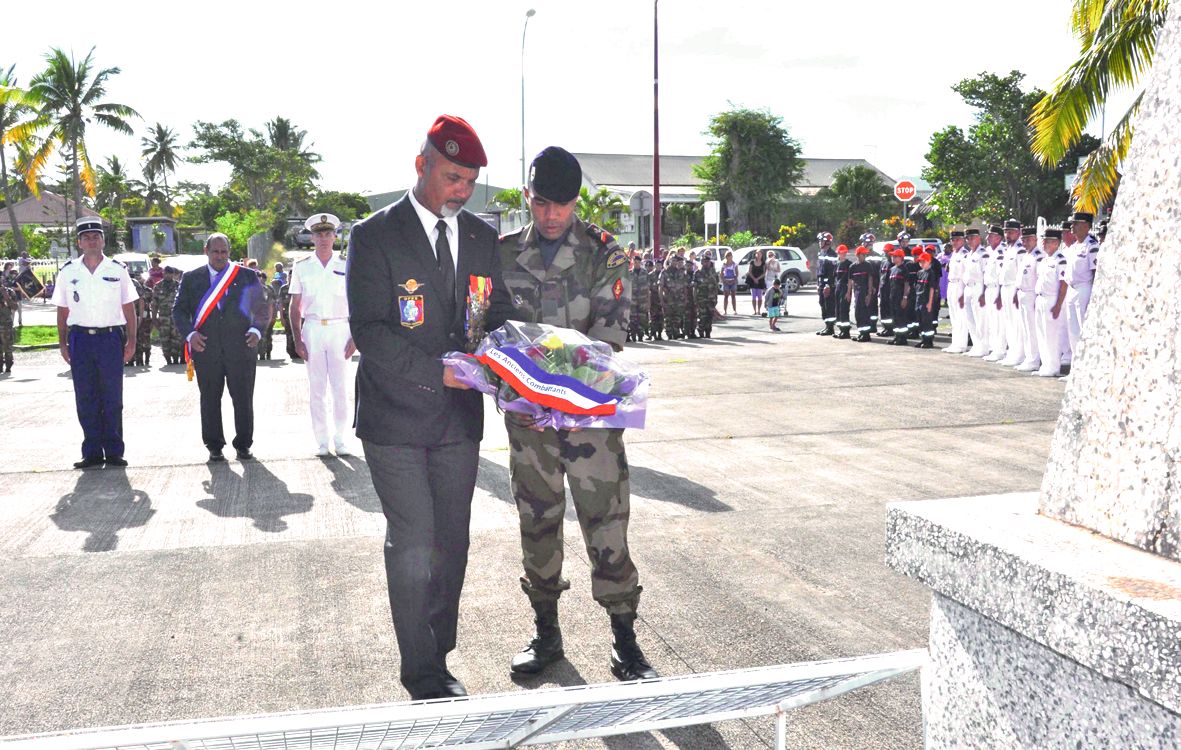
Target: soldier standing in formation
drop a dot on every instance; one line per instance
(266, 346)
(1027, 262)
(674, 292)
(841, 294)
(956, 308)
(705, 292)
(863, 285)
(163, 297)
(143, 331)
(561, 271)
(285, 316)
(1052, 273)
(656, 302)
(826, 279)
(641, 319)
(974, 293)
(1083, 263)
(9, 303)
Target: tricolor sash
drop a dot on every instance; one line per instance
(216, 292)
(561, 392)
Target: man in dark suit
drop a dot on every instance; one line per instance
(409, 268)
(222, 345)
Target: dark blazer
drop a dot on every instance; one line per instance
(401, 399)
(244, 307)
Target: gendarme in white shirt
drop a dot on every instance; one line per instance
(321, 288)
(95, 300)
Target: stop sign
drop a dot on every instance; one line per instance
(904, 190)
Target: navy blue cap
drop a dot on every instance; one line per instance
(555, 175)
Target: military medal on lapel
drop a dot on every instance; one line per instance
(410, 305)
(479, 298)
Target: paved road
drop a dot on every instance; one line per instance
(174, 590)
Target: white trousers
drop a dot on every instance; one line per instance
(996, 323)
(326, 366)
(1077, 300)
(959, 322)
(1049, 335)
(977, 316)
(1012, 319)
(1027, 314)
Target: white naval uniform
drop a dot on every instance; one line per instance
(1082, 274)
(1027, 267)
(974, 287)
(992, 290)
(324, 309)
(1011, 316)
(1050, 272)
(955, 290)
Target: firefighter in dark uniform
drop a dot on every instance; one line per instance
(885, 312)
(826, 279)
(927, 297)
(842, 293)
(866, 240)
(863, 286)
(910, 267)
(900, 296)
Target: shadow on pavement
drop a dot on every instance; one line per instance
(671, 488)
(102, 503)
(494, 479)
(256, 494)
(351, 481)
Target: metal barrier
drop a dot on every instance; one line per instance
(511, 720)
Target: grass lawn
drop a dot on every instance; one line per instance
(30, 335)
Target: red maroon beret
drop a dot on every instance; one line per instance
(456, 140)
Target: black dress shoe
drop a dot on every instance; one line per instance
(116, 461)
(245, 455)
(452, 687)
(216, 455)
(428, 696)
(88, 463)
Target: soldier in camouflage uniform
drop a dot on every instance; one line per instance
(284, 315)
(267, 345)
(163, 297)
(143, 328)
(655, 303)
(564, 272)
(674, 291)
(705, 292)
(641, 320)
(9, 303)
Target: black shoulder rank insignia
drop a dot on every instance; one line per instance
(118, 263)
(599, 234)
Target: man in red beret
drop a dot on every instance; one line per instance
(409, 268)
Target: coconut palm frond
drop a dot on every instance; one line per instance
(85, 170)
(1099, 173)
(1114, 60)
(37, 161)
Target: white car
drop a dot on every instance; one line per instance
(794, 269)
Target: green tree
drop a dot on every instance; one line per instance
(597, 208)
(510, 198)
(862, 190)
(17, 124)
(70, 96)
(345, 206)
(160, 152)
(243, 225)
(754, 163)
(1118, 40)
(680, 218)
(112, 184)
(990, 171)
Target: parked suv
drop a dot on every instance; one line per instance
(794, 269)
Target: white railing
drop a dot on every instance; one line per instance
(511, 720)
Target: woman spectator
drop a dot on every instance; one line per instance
(756, 279)
(773, 267)
(729, 276)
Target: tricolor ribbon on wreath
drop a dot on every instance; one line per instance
(217, 291)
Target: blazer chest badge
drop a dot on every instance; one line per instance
(411, 308)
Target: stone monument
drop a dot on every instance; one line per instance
(1056, 619)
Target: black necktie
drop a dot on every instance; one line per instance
(443, 258)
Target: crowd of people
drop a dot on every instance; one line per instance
(1013, 297)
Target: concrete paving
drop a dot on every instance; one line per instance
(176, 590)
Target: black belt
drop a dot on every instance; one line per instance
(96, 331)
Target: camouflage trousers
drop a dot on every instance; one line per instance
(640, 324)
(7, 339)
(170, 342)
(595, 464)
(268, 342)
(676, 319)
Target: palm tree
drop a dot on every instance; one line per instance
(160, 151)
(112, 185)
(1118, 44)
(597, 208)
(150, 190)
(17, 123)
(71, 96)
(861, 188)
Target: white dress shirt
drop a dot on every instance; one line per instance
(429, 225)
(321, 288)
(95, 300)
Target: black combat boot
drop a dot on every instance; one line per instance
(827, 330)
(627, 660)
(546, 646)
(148, 359)
(843, 334)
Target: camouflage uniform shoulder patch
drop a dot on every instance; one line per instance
(515, 234)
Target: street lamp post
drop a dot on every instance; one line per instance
(528, 14)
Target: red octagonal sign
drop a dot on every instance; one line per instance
(904, 190)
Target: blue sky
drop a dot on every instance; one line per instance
(849, 79)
